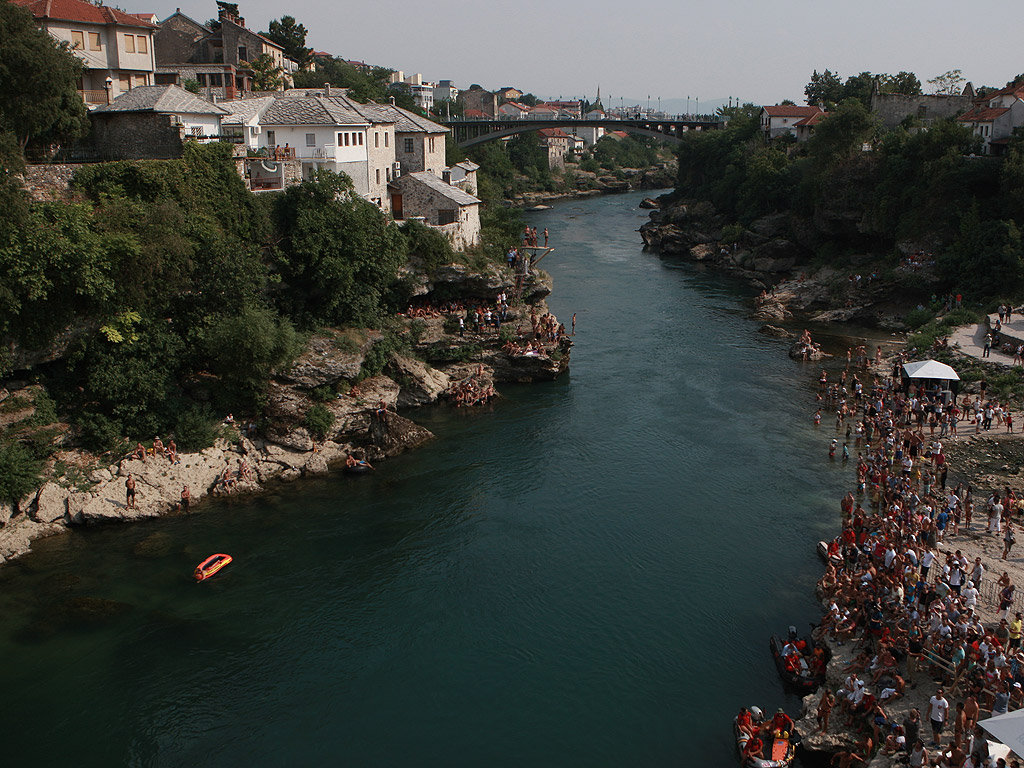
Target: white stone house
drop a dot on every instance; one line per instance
(422, 195)
(994, 117)
(112, 44)
(463, 176)
(513, 110)
(781, 119)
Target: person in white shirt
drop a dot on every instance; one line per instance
(938, 708)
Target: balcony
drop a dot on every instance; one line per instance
(93, 98)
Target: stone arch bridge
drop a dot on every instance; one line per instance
(468, 132)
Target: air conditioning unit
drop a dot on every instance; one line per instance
(396, 170)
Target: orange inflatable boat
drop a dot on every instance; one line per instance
(210, 566)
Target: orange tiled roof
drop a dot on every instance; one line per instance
(983, 114)
(79, 10)
(553, 133)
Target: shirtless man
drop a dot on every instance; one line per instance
(158, 446)
(129, 487)
(971, 712)
(828, 701)
(186, 499)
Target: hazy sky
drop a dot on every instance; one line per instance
(757, 51)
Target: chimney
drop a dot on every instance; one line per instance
(327, 89)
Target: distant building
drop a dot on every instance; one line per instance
(479, 99)
(445, 89)
(572, 109)
(217, 59)
(994, 117)
(112, 44)
(463, 176)
(558, 143)
(453, 211)
(508, 93)
(894, 108)
(513, 110)
(781, 119)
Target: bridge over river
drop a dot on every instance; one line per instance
(470, 131)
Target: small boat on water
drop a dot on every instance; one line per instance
(801, 662)
(210, 566)
(359, 468)
(777, 747)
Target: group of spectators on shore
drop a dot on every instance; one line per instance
(911, 609)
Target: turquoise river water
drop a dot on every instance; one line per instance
(584, 574)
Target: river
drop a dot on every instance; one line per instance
(584, 574)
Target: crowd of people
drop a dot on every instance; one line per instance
(911, 609)
(472, 390)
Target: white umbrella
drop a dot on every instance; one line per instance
(930, 369)
(1008, 728)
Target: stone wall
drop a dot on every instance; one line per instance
(136, 136)
(893, 108)
(49, 182)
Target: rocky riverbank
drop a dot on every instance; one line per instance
(432, 357)
(590, 184)
(777, 253)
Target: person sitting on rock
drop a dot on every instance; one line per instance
(139, 452)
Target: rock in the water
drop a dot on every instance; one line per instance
(649, 203)
(774, 330)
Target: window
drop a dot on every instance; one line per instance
(408, 146)
(271, 139)
(310, 139)
(360, 136)
(376, 139)
(447, 216)
(346, 139)
(378, 175)
(125, 81)
(196, 130)
(387, 174)
(339, 139)
(129, 43)
(385, 138)
(243, 53)
(431, 141)
(78, 40)
(94, 41)
(143, 46)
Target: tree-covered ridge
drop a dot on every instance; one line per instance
(170, 289)
(925, 184)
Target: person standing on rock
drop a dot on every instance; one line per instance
(129, 490)
(1009, 539)
(186, 499)
(988, 345)
(545, 237)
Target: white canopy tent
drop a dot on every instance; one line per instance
(931, 374)
(1009, 729)
(930, 369)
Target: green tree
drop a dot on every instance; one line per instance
(841, 133)
(986, 259)
(291, 36)
(244, 349)
(362, 86)
(338, 254)
(859, 87)
(824, 88)
(266, 75)
(947, 84)
(38, 81)
(902, 82)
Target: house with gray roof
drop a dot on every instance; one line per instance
(153, 122)
(423, 196)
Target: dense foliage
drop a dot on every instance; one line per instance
(172, 284)
(38, 81)
(922, 185)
